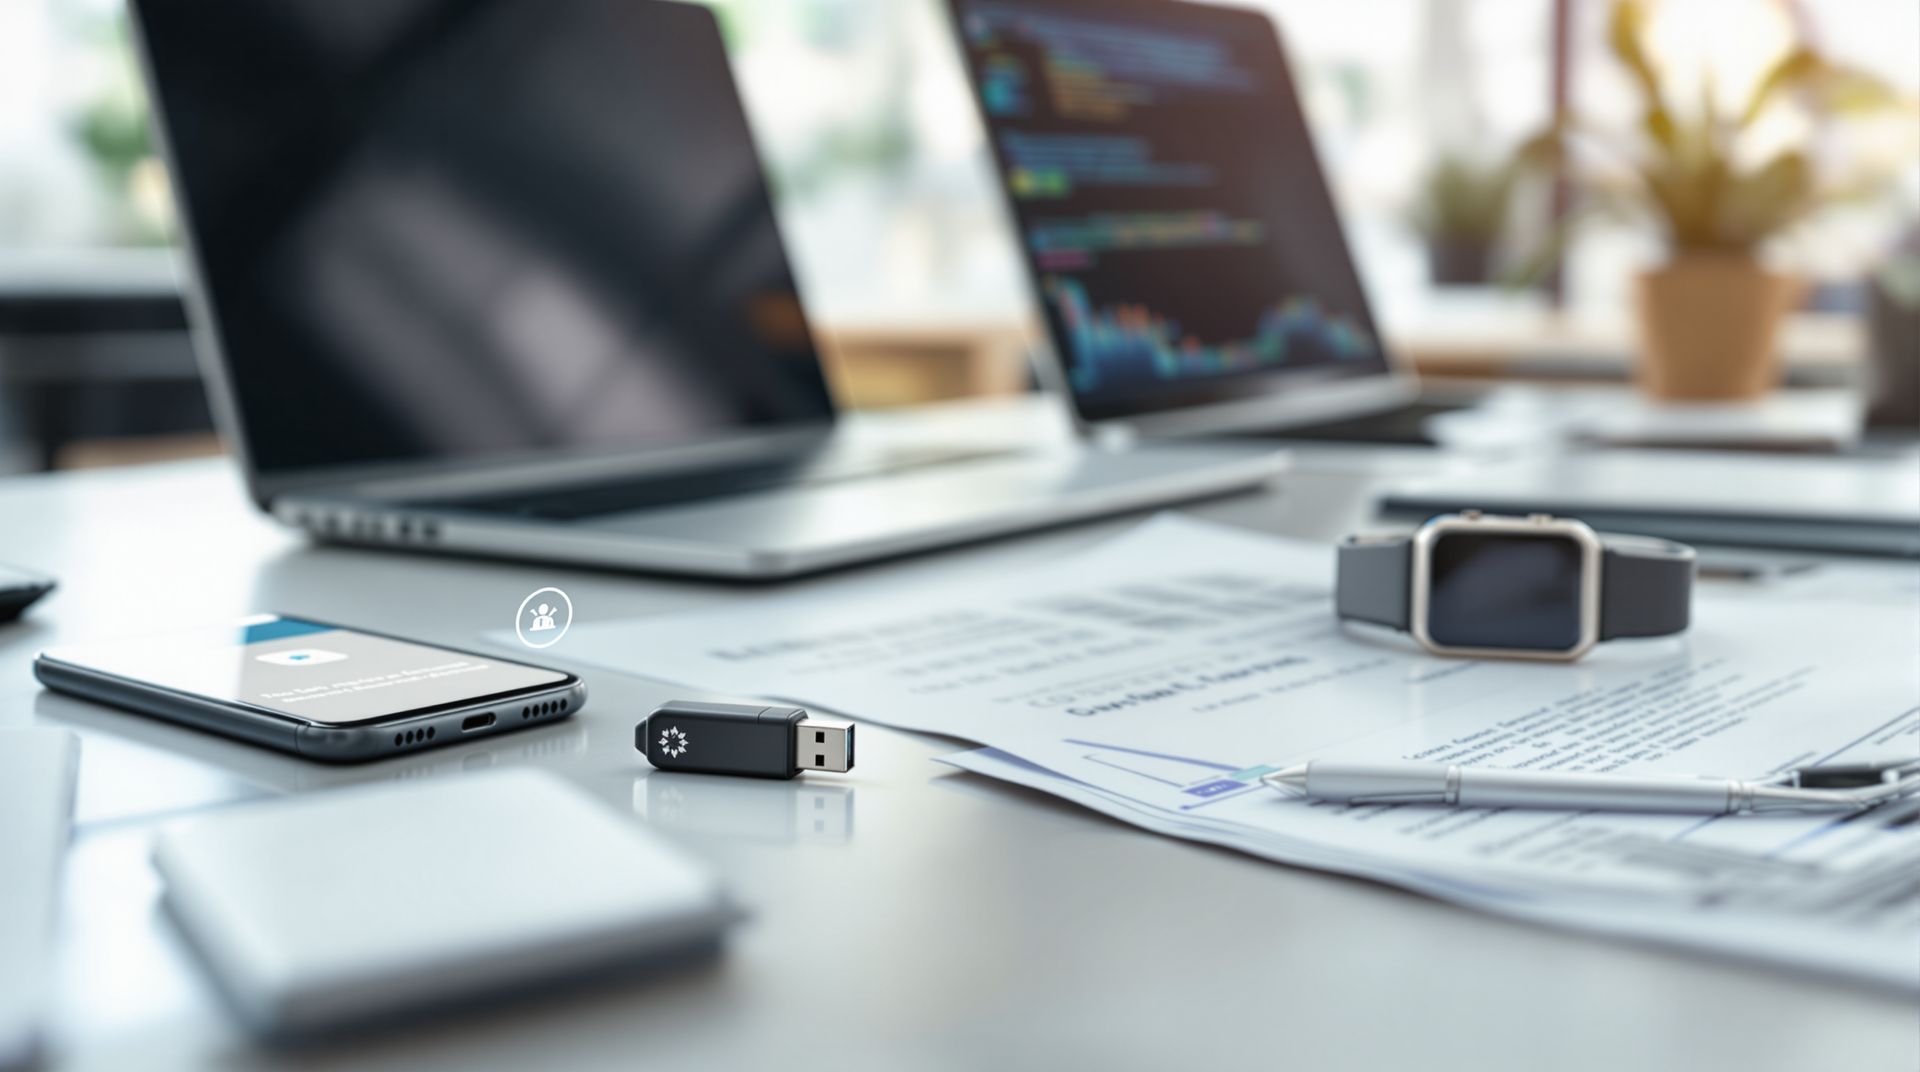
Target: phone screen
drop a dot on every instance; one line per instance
(321, 673)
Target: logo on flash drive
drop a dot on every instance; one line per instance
(673, 742)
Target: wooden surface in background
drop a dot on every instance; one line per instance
(884, 365)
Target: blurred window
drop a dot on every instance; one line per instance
(885, 186)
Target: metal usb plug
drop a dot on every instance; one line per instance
(823, 744)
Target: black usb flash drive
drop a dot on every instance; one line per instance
(744, 739)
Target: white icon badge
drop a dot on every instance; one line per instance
(544, 617)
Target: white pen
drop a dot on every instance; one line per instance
(1853, 788)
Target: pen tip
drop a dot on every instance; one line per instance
(1291, 780)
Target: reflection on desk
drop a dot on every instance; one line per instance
(140, 766)
(746, 809)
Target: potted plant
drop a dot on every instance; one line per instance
(1709, 316)
(1461, 212)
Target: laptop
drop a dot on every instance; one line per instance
(505, 278)
(1174, 219)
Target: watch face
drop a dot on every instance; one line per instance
(1504, 590)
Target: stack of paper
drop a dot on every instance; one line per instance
(1157, 677)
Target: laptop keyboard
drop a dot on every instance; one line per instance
(705, 485)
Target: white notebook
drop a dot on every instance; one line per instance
(368, 904)
(1867, 505)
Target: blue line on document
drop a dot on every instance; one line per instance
(1218, 798)
(1820, 831)
(1229, 768)
(1135, 773)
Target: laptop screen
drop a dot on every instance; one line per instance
(1179, 233)
(432, 229)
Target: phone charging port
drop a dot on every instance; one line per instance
(476, 722)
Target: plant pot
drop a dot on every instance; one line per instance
(1459, 262)
(1893, 338)
(1709, 326)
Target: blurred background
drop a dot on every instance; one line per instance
(1504, 175)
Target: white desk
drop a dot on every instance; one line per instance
(930, 920)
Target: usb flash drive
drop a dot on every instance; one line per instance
(758, 742)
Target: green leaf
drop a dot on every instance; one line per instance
(1828, 86)
(1465, 199)
(1660, 127)
(1851, 90)
(1764, 202)
(1626, 30)
(1669, 198)
(1795, 68)
(1626, 36)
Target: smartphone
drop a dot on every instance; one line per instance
(19, 589)
(321, 691)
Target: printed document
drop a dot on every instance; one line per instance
(1156, 677)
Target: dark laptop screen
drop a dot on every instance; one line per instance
(1181, 236)
(461, 228)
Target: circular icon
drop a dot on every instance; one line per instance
(673, 741)
(545, 616)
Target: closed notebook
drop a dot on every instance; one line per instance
(366, 904)
(1866, 505)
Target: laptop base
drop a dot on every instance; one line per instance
(787, 531)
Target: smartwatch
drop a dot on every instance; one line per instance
(1536, 587)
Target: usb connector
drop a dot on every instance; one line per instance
(826, 742)
(743, 739)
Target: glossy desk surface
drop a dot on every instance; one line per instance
(906, 916)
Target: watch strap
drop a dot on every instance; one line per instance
(1646, 587)
(1374, 580)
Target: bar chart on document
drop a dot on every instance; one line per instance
(1187, 783)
